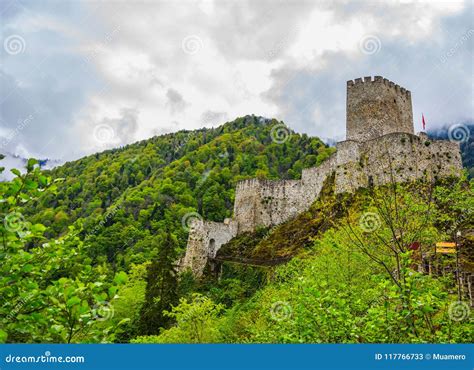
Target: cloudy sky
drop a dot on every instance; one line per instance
(78, 77)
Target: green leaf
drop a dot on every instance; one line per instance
(120, 278)
(112, 291)
(39, 228)
(30, 164)
(123, 321)
(15, 172)
(27, 268)
(73, 301)
(43, 180)
(3, 336)
(56, 329)
(30, 185)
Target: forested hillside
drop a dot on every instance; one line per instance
(122, 199)
(356, 274)
(123, 214)
(90, 249)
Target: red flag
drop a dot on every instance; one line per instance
(414, 246)
(423, 121)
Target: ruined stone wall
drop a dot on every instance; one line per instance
(205, 239)
(398, 157)
(377, 107)
(263, 203)
(313, 178)
(246, 204)
(279, 201)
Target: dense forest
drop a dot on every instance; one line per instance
(90, 250)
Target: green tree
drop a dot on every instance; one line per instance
(48, 290)
(161, 288)
(196, 322)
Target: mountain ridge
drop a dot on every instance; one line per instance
(141, 190)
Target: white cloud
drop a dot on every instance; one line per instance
(123, 64)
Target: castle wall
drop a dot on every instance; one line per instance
(380, 148)
(247, 204)
(313, 178)
(397, 157)
(279, 201)
(205, 239)
(265, 202)
(377, 107)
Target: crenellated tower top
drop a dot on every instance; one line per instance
(376, 107)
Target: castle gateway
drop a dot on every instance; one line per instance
(380, 147)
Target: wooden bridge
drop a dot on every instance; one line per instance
(250, 261)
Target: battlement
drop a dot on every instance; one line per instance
(247, 184)
(263, 184)
(379, 80)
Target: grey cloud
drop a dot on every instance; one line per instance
(46, 84)
(40, 112)
(175, 101)
(258, 29)
(302, 93)
(210, 117)
(313, 101)
(126, 126)
(117, 131)
(54, 84)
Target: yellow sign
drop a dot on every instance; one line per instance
(445, 250)
(446, 244)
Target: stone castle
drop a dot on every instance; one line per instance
(380, 147)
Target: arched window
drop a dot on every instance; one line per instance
(212, 248)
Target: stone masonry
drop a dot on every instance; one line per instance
(376, 108)
(381, 147)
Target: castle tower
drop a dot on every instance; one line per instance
(377, 107)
